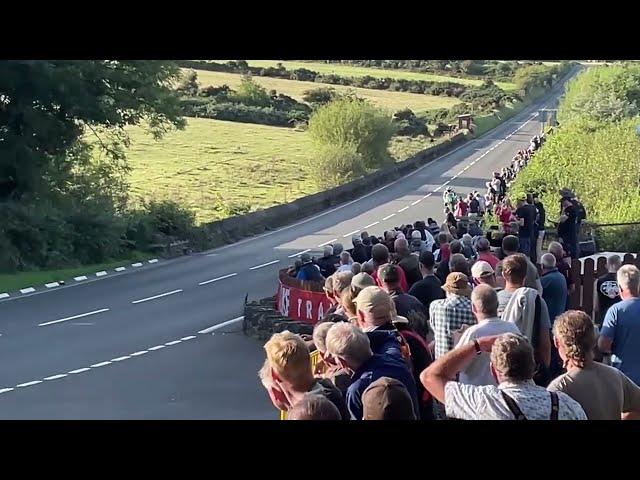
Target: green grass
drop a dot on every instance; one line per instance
(16, 281)
(392, 101)
(402, 148)
(353, 71)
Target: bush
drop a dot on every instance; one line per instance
(333, 165)
(351, 122)
(408, 124)
(251, 94)
(319, 96)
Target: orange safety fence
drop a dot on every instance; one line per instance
(315, 359)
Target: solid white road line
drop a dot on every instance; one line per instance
(27, 290)
(299, 253)
(28, 384)
(121, 269)
(74, 317)
(119, 359)
(80, 278)
(52, 285)
(264, 265)
(371, 224)
(80, 370)
(403, 209)
(327, 243)
(220, 325)
(157, 296)
(389, 216)
(101, 364)
(101, 274)
(55, 377)
(350, 233)
(219, 278)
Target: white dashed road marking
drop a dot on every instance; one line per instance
(416, 202)
(141, 352)
(4, 390)
(220, 325)
(371, 224)
(101, 364)
(80, 278)
(157, 347)
(27, 290)
(56, 377)
(52, 285)
(80, 370)
(219, 278)
(327, 243)
(121, 269)
(168, 344)
(350, 233)
(190, 337)
(264, 265)
(389, 216)
(299, 253)
(119, 359)
(172, 292)
(74, 317)
(28, 384)
(403, 209)
(101, 274)
(138, 264)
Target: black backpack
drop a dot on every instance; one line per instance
(542, 375)
(581, 213)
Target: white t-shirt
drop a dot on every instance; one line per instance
(344, 268)
(478, 372)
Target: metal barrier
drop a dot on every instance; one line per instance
(315, 359)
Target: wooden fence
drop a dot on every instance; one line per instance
(584, 277)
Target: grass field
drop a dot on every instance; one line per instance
(353, 71)
(392, 101)
(11, 282)
(214, 162)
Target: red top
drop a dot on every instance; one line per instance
(490, 258)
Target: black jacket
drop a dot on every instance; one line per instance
(327, 267)
(359, 254)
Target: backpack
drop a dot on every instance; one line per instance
(581, 213)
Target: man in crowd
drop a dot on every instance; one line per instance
(483, 274)
(330, 370)
(563, 267)
(407, 262)
(290, 364)
(380, 256)
(568, 228)
(515, 397)
(484, 304)
(605, 393)
(527, 309)
(309, 271)
(429, 288)
(341, 280)
(526, 215)
(607, 292)
(351, 348)
(511, 246)
(406, 305)
(451, 313)
(541, 219)
(326, 262)
(484, 252)
(359, 252)
(554, 287)
(314, 407)
(444, 267)
(620, 333)
(345, 263)
(387, 399)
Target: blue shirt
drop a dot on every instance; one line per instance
(622, 324)
(379, 366)
(554, 293)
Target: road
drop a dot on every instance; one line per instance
(165, 342)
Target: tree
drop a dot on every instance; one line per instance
(189, 85)
(47, 106)
(251, 93)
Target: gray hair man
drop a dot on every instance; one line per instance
(314, 407)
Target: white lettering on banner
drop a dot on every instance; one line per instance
(284, 300)
(309, 310)
(299, 305)
(320, 311)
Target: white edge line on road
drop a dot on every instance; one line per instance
(80, 278)
(299, 253)
(119, 359)
(74, 317)
(28, 384)
(219, 278)
(350, 233)
(264, 265)
(416, 202)
(121, 269)
(52, 285)
(220, 325)
(56, 377)
(157, 296)
(4, 390)
(80, 370)
(389, 216)
(27, 290)
(371, 224)
(138, 264)
(327, 243)
(403, 209)
(157, 347)
(101, 364)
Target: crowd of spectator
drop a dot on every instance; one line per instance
(429, 322)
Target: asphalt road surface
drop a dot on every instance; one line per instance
(165, 342)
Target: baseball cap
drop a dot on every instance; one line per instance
(388, 273)
(458, 284)
(373, 300)
(387, 399)
(481, 269)
(416, 235)
(363, 280)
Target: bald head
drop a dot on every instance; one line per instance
(484, 300)
(401, 246)
(314, 407)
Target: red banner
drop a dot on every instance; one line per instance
(303, 305)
